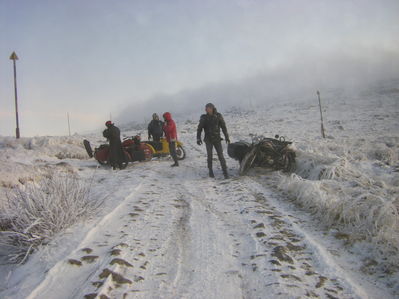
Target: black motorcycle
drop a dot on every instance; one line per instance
(272, 153)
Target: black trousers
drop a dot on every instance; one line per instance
(172, 150)
(156, 138)
(116, 154)
(219, 150)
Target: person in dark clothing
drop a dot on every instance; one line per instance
(116, 154)
(211, 123)
(169, 128)
(155, 128)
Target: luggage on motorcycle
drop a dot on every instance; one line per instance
(238, 150)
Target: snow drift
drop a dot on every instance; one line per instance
(27, 159)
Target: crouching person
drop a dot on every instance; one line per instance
(169, 128)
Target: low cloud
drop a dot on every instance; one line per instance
(299, 77)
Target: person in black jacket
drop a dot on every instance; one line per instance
(155, 128)
(211, 123)
(116, 154)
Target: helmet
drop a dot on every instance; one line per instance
(155, 116)
(108, 123)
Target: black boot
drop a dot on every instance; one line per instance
(226, 175)
(211, 174)
(175, 164)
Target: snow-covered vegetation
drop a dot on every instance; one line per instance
(34, 213)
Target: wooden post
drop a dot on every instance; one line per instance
(69, 124)
(14, 57)
(323, 134)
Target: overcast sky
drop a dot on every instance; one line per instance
(95, 57)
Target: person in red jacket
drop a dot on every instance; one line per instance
(169, 128)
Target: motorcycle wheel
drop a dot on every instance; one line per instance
(147, 151)
(180, 152)
(289, 162)
(101, 158)
(247, 161)
(102, 162)
(127, 159)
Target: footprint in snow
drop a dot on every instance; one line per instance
(260, 225)
(98, 284)
(89, 258)
(87, 250)
(260, 234)
(115, 251)
(116, 277)
(144, 266)
(121, 245)
(74, 262)
(280, 252)
(120, 262)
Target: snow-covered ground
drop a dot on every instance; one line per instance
(329, 230)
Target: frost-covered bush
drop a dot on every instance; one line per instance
(34, 213)
(348, 195)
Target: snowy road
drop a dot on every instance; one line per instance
(178, 234)
(175, 233)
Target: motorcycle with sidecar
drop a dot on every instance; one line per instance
(272, 153)
(133, 148)
(161, 148)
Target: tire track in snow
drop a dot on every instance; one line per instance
(182, 236)
(100, 241)
(62, 268)
(280, 255)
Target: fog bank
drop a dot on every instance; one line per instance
(294, 80)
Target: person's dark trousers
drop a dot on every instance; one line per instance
(156, 138)
(172, 150)
(219, 150)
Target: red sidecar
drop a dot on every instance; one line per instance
(133, 148)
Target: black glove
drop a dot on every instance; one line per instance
(227, 140)
(149, 137)
(199, 141)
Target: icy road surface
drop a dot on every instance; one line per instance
(176, 234)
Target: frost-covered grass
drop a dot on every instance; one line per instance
(34, 213)
(349, 194)
(350, 181)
